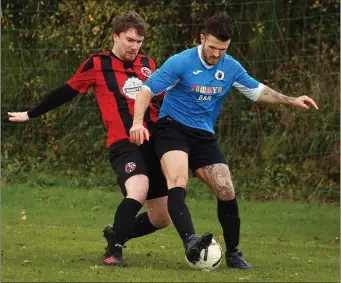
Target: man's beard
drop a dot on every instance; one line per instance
(205, 58)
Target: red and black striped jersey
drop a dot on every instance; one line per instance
(116, 84)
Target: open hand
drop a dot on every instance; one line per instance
(18, 116)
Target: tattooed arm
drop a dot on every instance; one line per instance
(268, 95)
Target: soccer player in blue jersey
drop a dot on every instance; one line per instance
(197, 80)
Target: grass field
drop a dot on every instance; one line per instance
(55, 234)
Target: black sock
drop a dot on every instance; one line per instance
(142, 226)
(228, 216)
(125, 219)
(179, 213)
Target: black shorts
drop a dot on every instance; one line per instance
(128, 159)
(201, 146)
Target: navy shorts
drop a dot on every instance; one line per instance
(128, 159)
(201, 146)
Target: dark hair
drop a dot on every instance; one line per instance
(220, 26)
(130, 20)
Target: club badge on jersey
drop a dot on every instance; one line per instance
(147, 72)
(219, 75)
(130, 167)
(131, 87)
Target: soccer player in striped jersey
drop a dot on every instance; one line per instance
(116, 77)
(197, 80)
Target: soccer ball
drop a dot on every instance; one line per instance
(210, 258)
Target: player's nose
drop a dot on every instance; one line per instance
(135, 46)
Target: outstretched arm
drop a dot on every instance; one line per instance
(79, 83)
(54, 99)
(259, 92)
(268, 95)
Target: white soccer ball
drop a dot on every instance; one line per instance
(210, 258)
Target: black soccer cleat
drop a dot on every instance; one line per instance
(108, 234)
(113, 251)
(236, 260)
(195, 245)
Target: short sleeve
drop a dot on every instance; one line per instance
(247, 85)
(165, 77)
(84, 76)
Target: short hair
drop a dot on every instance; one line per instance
(130, 20)
(220, 26)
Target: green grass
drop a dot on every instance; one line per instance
(61, 240)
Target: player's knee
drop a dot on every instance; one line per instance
(224, 191)
(139, 195)
(161, 223)
(221, 183)
(178, 181)
(160, 220)
(224, 196)
(137, 187)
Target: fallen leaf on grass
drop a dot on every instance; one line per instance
(97, 208)
(23, 215)
(25, 261)
(96, 267)
(244, 278)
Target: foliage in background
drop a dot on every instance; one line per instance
(274, 151)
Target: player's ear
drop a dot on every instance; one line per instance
(114, 37)
(202, 38)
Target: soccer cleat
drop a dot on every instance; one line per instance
(113, 251)
(236, 260)
(114, 260)
(108, 234)
(195, 245)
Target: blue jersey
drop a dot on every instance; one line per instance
(195, 91)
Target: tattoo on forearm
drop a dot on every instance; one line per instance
(221, 179)
(281, 98)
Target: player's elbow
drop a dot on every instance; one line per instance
(145, 92)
